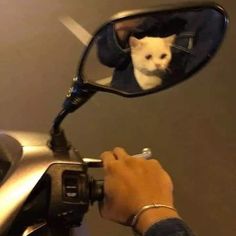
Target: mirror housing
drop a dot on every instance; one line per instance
(144, 51)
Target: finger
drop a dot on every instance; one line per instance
(155, 162)
(107, 157)
(120, 153)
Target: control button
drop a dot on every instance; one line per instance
(72, 195)
(70, 187)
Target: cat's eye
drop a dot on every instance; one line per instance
(163, 56)
(148, 57)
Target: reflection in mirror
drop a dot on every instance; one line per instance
(149, 52)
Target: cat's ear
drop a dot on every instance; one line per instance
(170, 40)
(133, 42)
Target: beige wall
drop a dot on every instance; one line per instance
(190, 128)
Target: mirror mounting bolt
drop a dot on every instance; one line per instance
(77, 95)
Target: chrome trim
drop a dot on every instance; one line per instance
(33, 229)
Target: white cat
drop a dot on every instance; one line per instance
(150, 56)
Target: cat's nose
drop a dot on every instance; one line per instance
(157, 65)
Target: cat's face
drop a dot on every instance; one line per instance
(151, 54)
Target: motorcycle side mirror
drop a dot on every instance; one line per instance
(145, 51)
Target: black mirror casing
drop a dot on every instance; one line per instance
(197, 31)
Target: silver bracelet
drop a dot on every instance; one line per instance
(144, 208)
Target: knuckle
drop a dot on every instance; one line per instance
(110, 166)
(113, 166)
(154, 163)
(136, 160)
(118, 149)
(136, 164)
(129, 161)
(105, 154)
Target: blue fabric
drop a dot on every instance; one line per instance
(169, 227)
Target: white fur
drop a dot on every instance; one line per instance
(145, 69)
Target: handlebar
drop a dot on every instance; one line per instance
(48, 196)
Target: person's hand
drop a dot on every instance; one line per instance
(131, 183)
(129, 24)
(124, 28)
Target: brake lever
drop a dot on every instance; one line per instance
(97, 163)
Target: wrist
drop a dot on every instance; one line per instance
(154, 215)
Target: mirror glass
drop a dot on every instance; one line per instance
(149, 52)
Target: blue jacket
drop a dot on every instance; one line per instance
(169, 227)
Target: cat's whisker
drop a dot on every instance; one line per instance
(182, 49)
(168, 70)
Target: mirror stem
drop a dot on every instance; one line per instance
(77, 95)
(58, 120)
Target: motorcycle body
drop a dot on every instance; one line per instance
(45, 188)
(41, 184)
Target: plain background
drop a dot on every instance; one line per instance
(190, 128)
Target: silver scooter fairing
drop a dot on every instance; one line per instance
(30, 158)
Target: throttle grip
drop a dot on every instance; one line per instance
(96, 190)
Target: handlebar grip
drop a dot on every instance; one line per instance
(96, 190)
